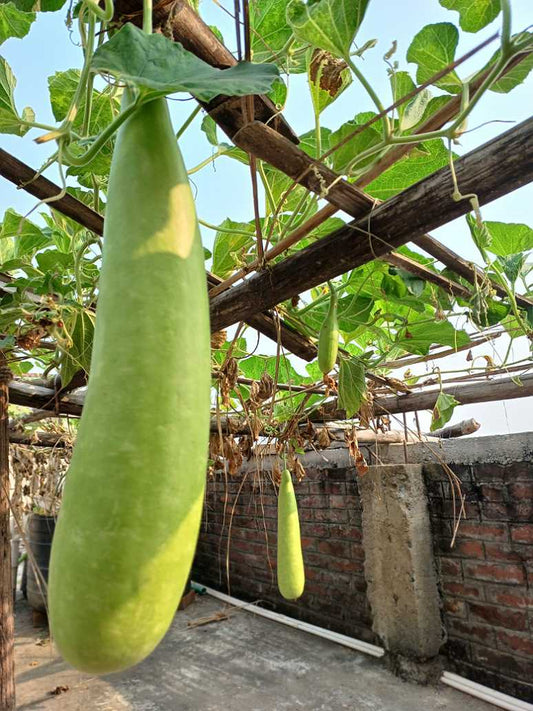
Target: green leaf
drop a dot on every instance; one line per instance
(278, 94)
(514, 77)
(9, 118)
(327, 24)
(14, 22)
(209, 127)
(51, 261)
(327, 76)
(410, 170)
(39, 5)
(443, 410)
(418, 337)
(352, 311)
(80, 326)
(509, 238)
(156, 63)
(513, 266)
(491, 313)
(228, 247)
(270, 36)
(104, 106)
(352, 385)
(28, 237)
(474, 15)
(255, 366)
(368, 137)
(433, 49)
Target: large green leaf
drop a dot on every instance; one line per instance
(14, 22)
(270, 36)
(156, 63)
(352, 385)
(410, 170)
(473, 14)
(353, 311)
(418, 337)
(229, 247)
(39, 5)
(432, 49)
(509, 238)
(9, 118)
(327, 24)
(28, 237)
(62, 86)
(515, 76)
(328, 77)
(411, 112)
(255, 366)
(442, 411)
(368, 137)
(78, 357)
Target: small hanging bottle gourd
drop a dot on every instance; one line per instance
(291, 574)
(328, 339)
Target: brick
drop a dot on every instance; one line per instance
(514, 642)
(331, 515)
(521, 490)
(317, 530)
(466, 590)
(483, 531)
(447, 509)
(344, 502)
(313, 502)
(494, 615)
(491, 492)
(456, 608)
(504, 663)
(357, 551)
(352, 533)
(457, 649)
(499, 551)
(467, 549)
(450, 567)
(522, 533)
(469, 630)
(510, 597)
(341, 549)
(489, 472)
(493, 572)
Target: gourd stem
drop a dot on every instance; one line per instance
(147, 17)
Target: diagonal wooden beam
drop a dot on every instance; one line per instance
(23, 176)
(490, 171)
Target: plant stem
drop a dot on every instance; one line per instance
(147, 17)
(188, 121)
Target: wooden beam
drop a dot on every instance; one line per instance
(491, 171)
(421, 271)
(468, 270)
(7, 625)
(22, 176)
(488, 391)
(465, 427)
(179, 21)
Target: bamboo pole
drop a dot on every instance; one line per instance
(7, 625)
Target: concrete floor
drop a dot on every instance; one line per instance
(245, 663)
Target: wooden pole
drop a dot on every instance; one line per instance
(491, 171)
(7, 625)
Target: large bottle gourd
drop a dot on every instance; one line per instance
(291, 574)
(131, 511)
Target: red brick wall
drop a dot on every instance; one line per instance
(330, 523)
(486, 579)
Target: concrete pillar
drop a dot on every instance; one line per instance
(400, 568)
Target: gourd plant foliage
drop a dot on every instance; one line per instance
(47, 316)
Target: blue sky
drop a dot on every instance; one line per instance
(223, 189)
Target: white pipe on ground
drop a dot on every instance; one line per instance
(343, 639)
(491, 696)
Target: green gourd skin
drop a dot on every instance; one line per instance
(129, 522)
(291, 574)
(328, 338)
